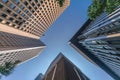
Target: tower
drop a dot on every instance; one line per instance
(99, 42)
(63, 69)
(22, 23)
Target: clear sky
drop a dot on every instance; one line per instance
(56, 39)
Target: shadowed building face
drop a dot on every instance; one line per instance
(62, 69)
(22, 23)
(99, 42)
(14, 47)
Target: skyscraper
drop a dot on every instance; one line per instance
(63, 69)
(29, 18)
(18, 48)
(22, 23)
(99, 42)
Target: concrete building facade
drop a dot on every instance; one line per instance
(18, 48)
(29, 18)
(22, 23)
(63, 69)
(99, 42)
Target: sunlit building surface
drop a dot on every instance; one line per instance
(22, 23)
(30, 17)
(63, 69)
(99, 42)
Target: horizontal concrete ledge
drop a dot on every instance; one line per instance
(114, 35)
(5, 28)
(14, 50)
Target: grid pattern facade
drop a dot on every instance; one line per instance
(22, 22)
(30, 16)
(11, 41)
(19, 55)
(18, 48)
(101, 38)
(63, 69)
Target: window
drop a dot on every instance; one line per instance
(18, 11)
(30, 7)
(41, 2)
(19, 23)
(7, 23)
(27, 17)
(23, 20)
(118, 49)
(35, 7)
(16, 1)
(25, 3)
(38, 4)
(117, 58)
(7, 54)
(35, 13)
(29, 14)
(11, 19)
(111, 25)
(0, 54)
(36, 1)
(1, 6)
(117, 23)
(16, 21)
(107, 47)
(4, 15)
(33, 4)
(23, 14)
(18, 27)
(43, 5)
(45, 2)
(114, 42)
(20, 18)
(24, 26)
(12, 6)
(13, 25)
(22, 7)
(9, 11)
(32, 17)
(32, 11)
(15, 15)
(21, 28)
(0, 20)
(26, 11)
(5, 1)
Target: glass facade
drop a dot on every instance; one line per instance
(100, 39)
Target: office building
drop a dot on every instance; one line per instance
(18, 48)
(99, 42)
(22, 23)
(30, 18)
(63, 69)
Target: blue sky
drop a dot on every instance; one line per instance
(56, 39)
